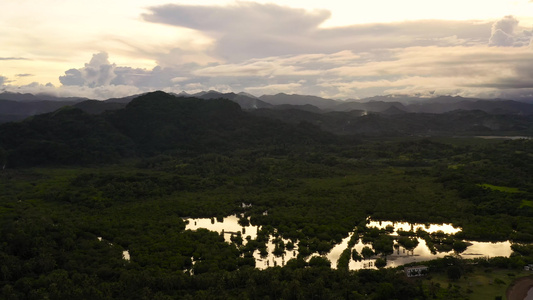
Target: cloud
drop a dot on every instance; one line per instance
(265, 17)
(475, 71)
(503, 32)
(24, 75)
(431, 70)
(262, 68)
(13, 58)
(271, 49)
(3, 80)
(254, 30)
(176, 56)
(98, 72)
(468, 71)
(101, 92)
(265, 30)
(275, 88)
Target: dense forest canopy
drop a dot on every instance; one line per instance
(78, 189)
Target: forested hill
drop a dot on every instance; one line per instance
(394, 122)
(150, 124)
(159, 122)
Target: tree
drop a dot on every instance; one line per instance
(381, 262)
(454, 272)
(408, 243)
(383, 244)
(319, 261)
(279, 248)
(356, 256)
(459, 246)
(3, 158)
(367, 252)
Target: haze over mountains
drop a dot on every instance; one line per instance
(15, 106)
(377, 116)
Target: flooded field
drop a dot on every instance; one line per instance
(230, 226)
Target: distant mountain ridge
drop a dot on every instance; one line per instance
(27, 97)
(11, 110)
(157, 123)
(437, 105)
(245, 101)
(295, 99)
(16, 106)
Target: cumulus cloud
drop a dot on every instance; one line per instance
(432, 70)
(98, 72)
(190, 76)
(268, 49)
(503, 32)
(475, 71)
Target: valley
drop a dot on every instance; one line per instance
(140, 177)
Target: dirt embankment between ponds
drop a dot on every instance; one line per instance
(519, 288)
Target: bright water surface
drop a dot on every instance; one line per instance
(400, 256)
(230, 225)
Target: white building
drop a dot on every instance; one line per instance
(416, 271)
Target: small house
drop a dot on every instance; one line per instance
(416, 271)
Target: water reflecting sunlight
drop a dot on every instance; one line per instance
(401, 256)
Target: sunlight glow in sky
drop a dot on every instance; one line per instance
(107, 48)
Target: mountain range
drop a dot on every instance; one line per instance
(14, 106)
(90, 131)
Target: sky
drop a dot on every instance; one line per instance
(335, 49)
